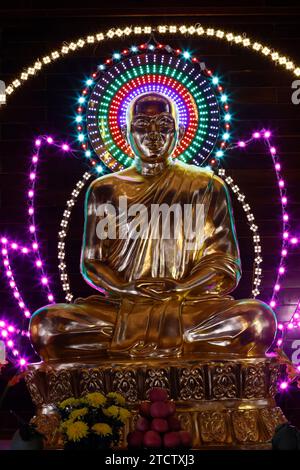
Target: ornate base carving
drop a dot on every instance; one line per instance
(225, 404)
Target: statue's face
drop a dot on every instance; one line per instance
(152, 130)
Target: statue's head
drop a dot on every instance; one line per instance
(152, 129)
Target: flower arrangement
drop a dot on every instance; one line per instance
(93, 421)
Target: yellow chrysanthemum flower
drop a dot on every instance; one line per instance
(124, 414)
(112, 411)
(102, 429)
(117, 397)
(65, 424)
(76, 431)
(69, 402)
(78, 413)
(95, 399)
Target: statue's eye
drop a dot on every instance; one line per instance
(166, 123)
(141, 123)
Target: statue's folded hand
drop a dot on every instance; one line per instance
(159, 289)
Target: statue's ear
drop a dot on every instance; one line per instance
(124, 132)
(181, 132)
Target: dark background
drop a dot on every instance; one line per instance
(260, 95)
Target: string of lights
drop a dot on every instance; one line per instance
(240, 40)
(113, 110)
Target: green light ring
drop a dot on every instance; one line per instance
(139, 71)
(199, 75)
(108, 138)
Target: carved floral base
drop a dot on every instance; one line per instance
(224, 404)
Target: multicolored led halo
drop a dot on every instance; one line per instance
(187, 112)
(191, 89)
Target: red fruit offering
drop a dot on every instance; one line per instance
(174, 423)
(145, 409)
(172, 407)
(159, 425)
(186, 438)
(158, 394)
(142, 424)
(172, 439)
(159, 409)
(135, 439)
(152, 439)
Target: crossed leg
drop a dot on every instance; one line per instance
(69, 331)
(222, 326)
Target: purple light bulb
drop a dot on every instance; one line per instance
(284, 385)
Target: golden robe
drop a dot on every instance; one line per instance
(198, 316)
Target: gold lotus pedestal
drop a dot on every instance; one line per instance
(224, 404)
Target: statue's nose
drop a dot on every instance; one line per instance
(153, 135)
(152, 128)
(153, 131)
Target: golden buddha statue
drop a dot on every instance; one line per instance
(164, 296)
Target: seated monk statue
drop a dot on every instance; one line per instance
(160, 296)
